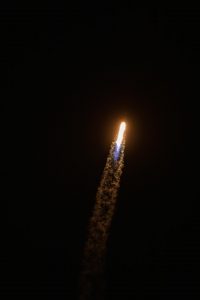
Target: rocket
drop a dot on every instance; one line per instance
(119, 140)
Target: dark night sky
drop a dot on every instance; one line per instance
(70, 74)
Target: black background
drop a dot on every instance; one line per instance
(71, 73)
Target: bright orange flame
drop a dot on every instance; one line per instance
(121, 133)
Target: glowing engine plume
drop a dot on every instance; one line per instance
(120, 134)
(92, 278)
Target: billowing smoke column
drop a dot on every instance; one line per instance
(92, 282)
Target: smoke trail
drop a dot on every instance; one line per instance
(92, 284)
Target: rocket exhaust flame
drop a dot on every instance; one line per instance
(120, 136)
(119, 140)
(92, 281)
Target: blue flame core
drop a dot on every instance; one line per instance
(116, 151)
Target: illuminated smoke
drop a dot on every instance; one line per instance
(92, 283)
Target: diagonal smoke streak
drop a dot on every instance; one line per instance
(95, 248)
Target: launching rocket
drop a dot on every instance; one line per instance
(119, 140)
